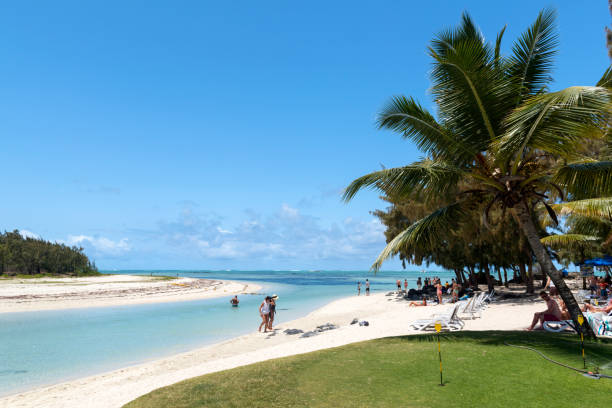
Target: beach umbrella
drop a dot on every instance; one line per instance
(605, 261)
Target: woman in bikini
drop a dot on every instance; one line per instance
(439, 292)
(423, 303)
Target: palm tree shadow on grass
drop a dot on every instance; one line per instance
(558, 345)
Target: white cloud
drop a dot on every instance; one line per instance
(284, 238)
(28, 234)
(101, 245)
(285, 235)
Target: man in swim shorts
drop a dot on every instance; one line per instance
(551, 314)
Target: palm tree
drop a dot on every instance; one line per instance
(499, 139)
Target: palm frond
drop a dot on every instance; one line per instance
(569, 241)
(590, 207)
(468, 85)
(407, 116)
(553, 122)
(533, 53)
(423, 233)
(426, 177)
(586, 179)
(606, 79)
(498, 41)
(463, 90)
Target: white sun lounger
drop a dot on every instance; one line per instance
(449, 321)
(474, 308)
(600, 323)
(558, 326)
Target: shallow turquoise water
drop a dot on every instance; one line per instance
(42, 348)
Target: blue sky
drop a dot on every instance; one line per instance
(197, 134)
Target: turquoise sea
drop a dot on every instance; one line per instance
(44, 348)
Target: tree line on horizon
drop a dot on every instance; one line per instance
(514, 174)
(34, 256)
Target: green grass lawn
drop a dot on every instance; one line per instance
(479, 371)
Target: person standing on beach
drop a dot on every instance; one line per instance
(358, 288)
(367, 287)
(399, 285)
(406, 285)
(264, 312)
(439, 292)
(455, 291)
(419, 283)
(272, 311)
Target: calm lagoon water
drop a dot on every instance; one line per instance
(43, 348)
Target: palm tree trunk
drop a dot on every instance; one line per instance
(530, 288)
(459, 276)
(525, 220)
(506, 278)
(490, 284)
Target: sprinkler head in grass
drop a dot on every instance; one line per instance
(591, 376)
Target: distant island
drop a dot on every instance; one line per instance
(21, 255)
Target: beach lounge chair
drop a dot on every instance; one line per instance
(558, 326)
(599, 322)
(449, 321)
(475, 307)
(490, 297)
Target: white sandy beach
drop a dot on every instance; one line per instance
(27, 295)
(386, 315)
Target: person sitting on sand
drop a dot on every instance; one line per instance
(551, 314)
(264, 312)
(234, 301)
(423, 303)
(272, 311)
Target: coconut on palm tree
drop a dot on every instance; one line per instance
(499, 137)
